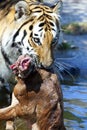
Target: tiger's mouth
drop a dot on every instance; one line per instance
(26, 64)
(23, 66)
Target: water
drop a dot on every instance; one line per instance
(74, 11)
(75, 106)
(75, 94)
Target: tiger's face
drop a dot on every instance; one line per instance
(38, 32)
(41, 40)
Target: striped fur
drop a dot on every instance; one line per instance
(28, 27)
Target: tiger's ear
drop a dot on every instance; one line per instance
(57, 7)
(21, 10)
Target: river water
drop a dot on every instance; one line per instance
(75, 106)
(75, 93)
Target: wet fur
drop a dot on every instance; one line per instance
(39, 99)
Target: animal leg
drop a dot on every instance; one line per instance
(35, 127)
(10, 125)
(9, 113)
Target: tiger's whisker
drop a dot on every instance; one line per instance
(68, 65)
(63, 67)
(60, 75)
(58, 71)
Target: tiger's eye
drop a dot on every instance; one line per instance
(37, 40)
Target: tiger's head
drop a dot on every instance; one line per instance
(37, 32)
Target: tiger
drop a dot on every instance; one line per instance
(27, 27)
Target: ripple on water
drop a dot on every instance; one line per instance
(75, 106)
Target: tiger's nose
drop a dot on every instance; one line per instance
(48, 68)
(47, 64)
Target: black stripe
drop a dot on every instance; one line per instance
(38, 11)
(24, 34)
(40, 18)
(30, 27)
(48, 12)
(51, 24)
(31, 34)
(41, 24)
(49, 17)
(17, 33)
(36, 34)
(29, 43)
(40, 29)
(53, 29)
